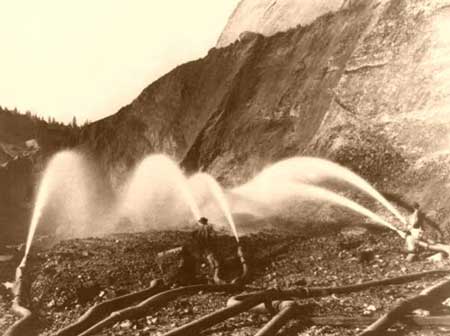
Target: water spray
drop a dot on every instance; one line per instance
(219, 195)
(276, 194)
(51, 181)
(41, 202)
(310, 170)
(265, 190)
(154, 175)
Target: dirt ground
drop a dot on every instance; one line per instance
(73, 275)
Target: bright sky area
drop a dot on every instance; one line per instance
(87, 58)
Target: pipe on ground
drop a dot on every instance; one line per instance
(207, 321)
(20, 290)
(105, 308)
(287, 311)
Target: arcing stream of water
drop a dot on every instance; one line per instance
(55, 175)
(60, 163)
(218, 194)
(314, 171)
(156, 174)
(278, 194)
(283, 181)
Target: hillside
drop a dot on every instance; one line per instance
(268, 17)
(74, 275)
(365, 86)
(25, 144)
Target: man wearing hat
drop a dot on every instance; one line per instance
(205, 240)
(205, 235)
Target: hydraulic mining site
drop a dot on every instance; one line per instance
(294, 180)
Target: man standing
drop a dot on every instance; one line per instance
(205, 239)
(190, 255)
(414, 233)
(205, 236)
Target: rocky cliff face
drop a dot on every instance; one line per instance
(260, 89)
(367, 86)
(268, 17)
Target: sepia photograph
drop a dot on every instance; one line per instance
(225, 167)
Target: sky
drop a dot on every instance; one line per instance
(87, 58)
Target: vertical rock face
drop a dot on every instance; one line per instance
(395, 86)
(269, 17)
(280, 100)
(366, 86)
(373, 72)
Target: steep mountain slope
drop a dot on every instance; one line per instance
(268, 17)
(366, 86)
(259, 82)
(168, 115)
(395, 87)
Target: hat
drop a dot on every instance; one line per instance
(203, 220)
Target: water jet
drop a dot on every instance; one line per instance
(20, 290)
(53, 178)
(312, 170)
(156, 182)
(217, 192)
(276, 194)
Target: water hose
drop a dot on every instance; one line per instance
(105, 308)
(21, 294)
(287, 310)
(215, 265)
(153, 302)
